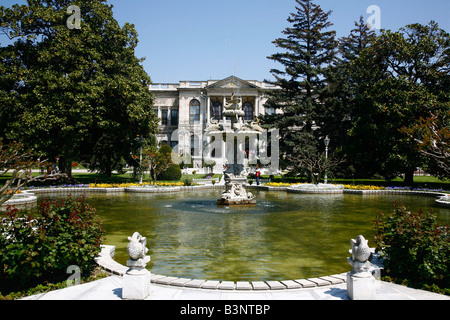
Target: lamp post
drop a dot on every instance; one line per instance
(327, 142)
(140, 160)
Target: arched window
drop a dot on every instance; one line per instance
(248, 111)
(216, 110)
(194, 111)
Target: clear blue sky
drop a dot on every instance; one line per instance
(212, 39)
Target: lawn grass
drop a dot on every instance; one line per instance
(88, 178)
(428, 182)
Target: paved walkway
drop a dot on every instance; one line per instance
(110, 288)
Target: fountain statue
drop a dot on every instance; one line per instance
(234, 132)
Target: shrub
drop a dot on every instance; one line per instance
(166, 149)
(40, 248)
(414, 247)
(173, 173)
(188, 182)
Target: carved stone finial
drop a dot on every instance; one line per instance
(360, 255)
(137, 250)
(136, 281)
(360, 249)
(360, 282)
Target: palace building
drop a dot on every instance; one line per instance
(185, 110)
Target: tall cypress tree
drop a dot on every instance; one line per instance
(308, 50)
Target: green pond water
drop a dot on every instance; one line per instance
(284, 236)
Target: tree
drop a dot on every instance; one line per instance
(359, 39)
(399, 79)
(340, 90)
(315, 165)
(309, 51)
(77, 94)
(19, 164)
(154, 160)
(433, 136)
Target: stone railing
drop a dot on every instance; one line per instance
(106, 261)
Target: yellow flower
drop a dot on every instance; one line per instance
(362, 187)
(277, 184)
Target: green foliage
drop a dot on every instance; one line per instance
(307, 52)
(188, 182)
(39, 247)
(158, 161)
(165, 149)
(173, 173)
(414, 247)
(43, 288)
(79, 95)
(397, 80)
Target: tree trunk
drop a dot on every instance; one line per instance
(65, 166)
(409, 177)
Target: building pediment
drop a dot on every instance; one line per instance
(231, 83)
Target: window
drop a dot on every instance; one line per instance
(216, 110)
(248, 111)
(194, 111)
(164, 117)
(194, 146)
(174, 117)
(213, 151)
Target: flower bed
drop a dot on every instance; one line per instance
(415, 189)
(362, 187)
(134, 185)
(278, 184)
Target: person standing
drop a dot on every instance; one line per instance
(258, 173)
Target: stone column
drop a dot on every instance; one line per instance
(208, 109)
(224, 102)
(257, 107)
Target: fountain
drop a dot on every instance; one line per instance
(234, 133)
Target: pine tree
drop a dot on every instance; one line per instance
(341, 89)
(309, 49)
(359, 39)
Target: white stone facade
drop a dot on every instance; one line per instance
(186, 108)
